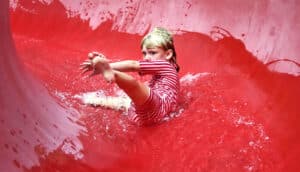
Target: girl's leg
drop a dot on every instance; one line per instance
(136, 90)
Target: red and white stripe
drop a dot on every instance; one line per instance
(164, 87)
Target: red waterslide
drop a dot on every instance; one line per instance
(239, 104)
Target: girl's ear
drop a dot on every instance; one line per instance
(169, 54)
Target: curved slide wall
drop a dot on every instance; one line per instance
(238, 108)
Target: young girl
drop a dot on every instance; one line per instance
(150, 103)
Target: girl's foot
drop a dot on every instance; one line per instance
(102, 65)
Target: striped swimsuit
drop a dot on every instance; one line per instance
(164, 89)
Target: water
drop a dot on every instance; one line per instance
(234, 113)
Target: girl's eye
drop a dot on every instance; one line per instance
(152, 52)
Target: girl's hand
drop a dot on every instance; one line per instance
(93, 63)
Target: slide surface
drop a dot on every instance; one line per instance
(239, 100)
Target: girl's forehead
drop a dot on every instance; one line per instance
(151, 48)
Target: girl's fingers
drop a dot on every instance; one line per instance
(85, 70)
(86, 64)
(90, 64)
(85, 67)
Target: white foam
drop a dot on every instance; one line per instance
(189, 78)
(242, 121)
(98, 98)
(72, 148)
(86, 97)
(13, 4)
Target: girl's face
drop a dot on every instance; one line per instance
(155, 53)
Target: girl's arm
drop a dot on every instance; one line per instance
(125, 66)
(94, 64)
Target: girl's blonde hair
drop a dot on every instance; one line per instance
(160, 37)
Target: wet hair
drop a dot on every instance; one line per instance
(161, 37)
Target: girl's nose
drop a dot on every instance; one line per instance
(147, 57)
